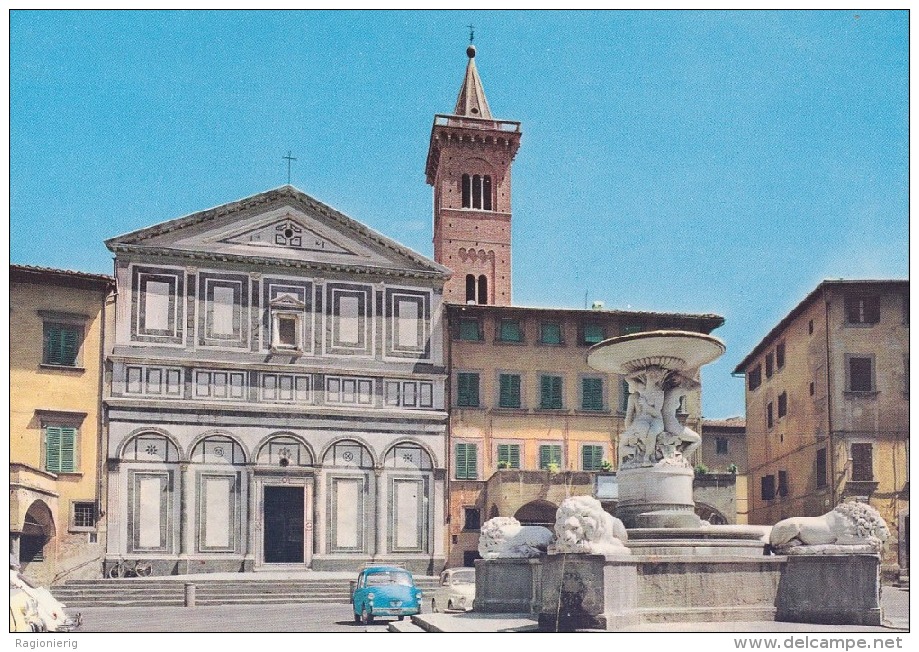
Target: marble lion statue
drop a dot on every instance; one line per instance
(582, 525)
(504, 537)
(849, 524)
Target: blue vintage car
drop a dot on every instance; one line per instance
(385, 591)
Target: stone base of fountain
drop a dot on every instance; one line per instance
(656, 497)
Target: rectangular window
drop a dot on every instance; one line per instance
(60, 449)
(466, 461)
(820, 468)
(861, 374)
(721, 445)
(863, 310)
(628, 329)
(550, 454)
(811, 388)
(348, 320)
(472, 519)
(769, 364)
(810, 327)
(509, 390)
(510, 331)
(287, 328)
(862, 462)
(593, 333)
(83, 515)
(157, 309)
(550, 333)
(783, 483)
(550, 392)
(509, 456)
(467, 390)
(767, 487)
(591, 457)
(591, 393)
(62, 344)
(469, 329)
(783, 404)
(780, 355)
(754, 377)
(769, 415)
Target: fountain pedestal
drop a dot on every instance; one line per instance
(656, 497)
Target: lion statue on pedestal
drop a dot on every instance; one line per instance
(582, 525)
(849, 525)
(504, 537)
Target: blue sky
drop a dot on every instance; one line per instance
(718, 162)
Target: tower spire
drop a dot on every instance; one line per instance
(471, 101)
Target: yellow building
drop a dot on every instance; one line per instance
(827, 399)
(724, 454)
(530, 422)
(57, 330)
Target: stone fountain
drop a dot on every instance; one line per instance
(656, 561)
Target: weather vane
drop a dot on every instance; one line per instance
(471, 33)
(288, 158)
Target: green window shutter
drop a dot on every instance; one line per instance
(623, 395)
(53, 449)
(509, 391)
(551, 334)
(61, 345)
(466, 461)
(591, 458)
(592, 394)
(550, 454)
(550, 392)
(509, 453)
(467, 390)
(593, 333)
(68, 450)
(469, 329)
(510, 330)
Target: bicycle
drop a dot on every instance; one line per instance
(136, 568)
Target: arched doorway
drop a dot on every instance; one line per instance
(37, 530)
(537, 512)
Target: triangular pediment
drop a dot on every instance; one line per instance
(285, 226)
(287, 232)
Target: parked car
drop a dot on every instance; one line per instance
(456, 590)
(385, 591)
(52, 613)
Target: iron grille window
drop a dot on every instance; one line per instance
(509, 390)
(84, 514)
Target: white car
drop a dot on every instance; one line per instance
(456, 590)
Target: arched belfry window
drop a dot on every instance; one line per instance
(483, 289)
(476, 191)
(470, 288)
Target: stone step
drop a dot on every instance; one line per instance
(403, 627)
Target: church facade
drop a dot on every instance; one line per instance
(276, 396)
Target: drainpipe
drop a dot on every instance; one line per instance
(831, 449)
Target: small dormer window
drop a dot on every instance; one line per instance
(286, 323)
(476, 191)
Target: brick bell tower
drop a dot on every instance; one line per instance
(469, 165)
